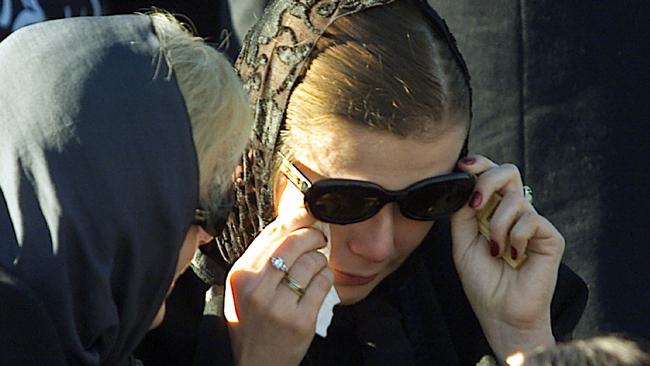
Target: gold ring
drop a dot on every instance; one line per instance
(294, 285)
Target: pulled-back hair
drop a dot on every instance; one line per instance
(386, 68)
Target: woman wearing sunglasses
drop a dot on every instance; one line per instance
(112, 171)
(363, 113)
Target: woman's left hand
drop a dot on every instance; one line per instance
(512, 305)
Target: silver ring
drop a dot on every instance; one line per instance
(278, 263)
(294, 285)
(528, 194)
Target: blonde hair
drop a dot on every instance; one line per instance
(611, 350)
(216, 104)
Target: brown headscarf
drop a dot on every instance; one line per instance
(274, 54)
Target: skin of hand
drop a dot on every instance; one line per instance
(513, 306)
(273, 325)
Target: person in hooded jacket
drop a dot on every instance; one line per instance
(118, 136)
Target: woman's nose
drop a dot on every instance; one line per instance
(373, 239)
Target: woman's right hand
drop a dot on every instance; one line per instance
(268, 322)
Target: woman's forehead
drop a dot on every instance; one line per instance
(354, 152)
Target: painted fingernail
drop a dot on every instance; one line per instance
(468, 161)
(476, 200)
(494, 248)
(513, 253)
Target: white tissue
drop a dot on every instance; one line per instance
(326, 311)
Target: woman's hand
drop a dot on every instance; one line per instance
(513, 306)
(273, 324)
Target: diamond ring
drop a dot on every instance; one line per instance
(278, 263)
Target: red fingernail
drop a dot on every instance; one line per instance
(476, 200)
(513, 253)
(494, 248)
(468, 161)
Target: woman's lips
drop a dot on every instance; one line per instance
(348, 279)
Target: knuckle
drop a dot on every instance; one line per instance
(319, 258)
(277, 315)
(328, 274)
(258, 302)
(301, 325)
(310, 262)
(290, 242)
(495, 227)
(532, 218)
(561, 244)
(511, 168)
(518, 235)
(240, 280)
(323, 282)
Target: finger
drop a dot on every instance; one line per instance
(272, 237)
(296, 245)
(535, 234)
(317, 290)
(287, 297)
(307, 266)
(505, 216)
(503, 178)
(475, 164)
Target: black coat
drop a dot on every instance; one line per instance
(418, 316)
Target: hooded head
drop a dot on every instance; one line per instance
(100, 177)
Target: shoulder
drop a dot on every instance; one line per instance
(569, 302)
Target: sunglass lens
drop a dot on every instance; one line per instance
(344, 205)
(436, 200)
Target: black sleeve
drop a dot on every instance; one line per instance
(27, 333)
(568, 304)
(213, 346)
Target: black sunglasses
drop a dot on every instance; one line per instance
(346, 201)
(214, 221)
